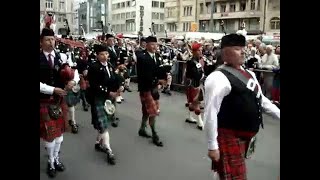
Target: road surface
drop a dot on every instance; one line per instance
(183, 156)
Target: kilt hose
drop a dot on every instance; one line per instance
(72, 98)
(149, 105)
(232, 146)
(100, 118)
(51, 128)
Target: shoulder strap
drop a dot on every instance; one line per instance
(241, 77)
(235, 73)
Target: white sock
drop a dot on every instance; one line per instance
(50, 150)
(106, 140)
(98, 140)
(200, 122)
(72, 114)
(57, 146)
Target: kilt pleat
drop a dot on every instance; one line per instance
(72, 98)
(149, 106)
(50, 128)
(231, 165)
(100, 119)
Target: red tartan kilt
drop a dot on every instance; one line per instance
(232, 155)
(192, 93)
(149, 105)
(275, 94)
(83, 83)
(50, 128)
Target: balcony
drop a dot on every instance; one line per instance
(232, 15)
(171, 19)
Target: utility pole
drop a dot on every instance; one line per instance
(264, 16)
(211, 18)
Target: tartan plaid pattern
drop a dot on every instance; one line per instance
(83, 83)
(192, 96)
(50, 128)
(149, 106)
(100, 118)
(231, 165)
(72, 98)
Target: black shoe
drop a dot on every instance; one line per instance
(51, 171)
(200, 128)
(156, 141)
(111, 158)
(58, 165)
(169, 93)
(143, 133)
(85, 108)
(98, 147)
(186, 104)
(201, 107)
(189, 121)
(128, 89)
(114, 124)
(74, 129)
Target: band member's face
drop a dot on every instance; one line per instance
(48, 43)
(233, 55)
(152, 47)
(110, 41)
(143, 44)
(198, 53)
(103, 56)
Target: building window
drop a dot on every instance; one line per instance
(49, 4)
(155, 4)
(118, 6)
(275, 23)
(169, 13)
(161, 27)
(162, 16)
(133, 14)
(161, 4)
(258, 5)
(223, 8)
(242, 6)
(123, 5)
(113, 27)
(133, 4)
(187, 11)
(172, 27)
(128, 4)
(154, 15)
(201, 8)
(123, 27)
(61, 5)
(186, 26)
(253, 5)
(208, 6)
(123, 15)
(128, 15)
(232, 8)
(118, 17)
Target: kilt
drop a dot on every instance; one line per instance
(100, 119)
(149, 105)
(192, 94)
(83, 83)
(232, 147)
(72, 98)
(275, 94)
(50, 128)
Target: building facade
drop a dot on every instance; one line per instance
(133, 16)
(62, 10)
(256, 15)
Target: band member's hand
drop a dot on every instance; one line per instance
(121, 88)
(214, 155)
(126, 63)
(117, 71)
(59, 92)
(159, 86)
(113, 94)
(85, 73)
(70, 85)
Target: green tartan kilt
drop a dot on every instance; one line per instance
(72, 98)
(100, 119)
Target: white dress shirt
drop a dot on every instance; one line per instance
(53, 55)
(217, 86)
(270, 61)
(46, 89)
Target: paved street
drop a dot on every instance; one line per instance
(183, 156)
